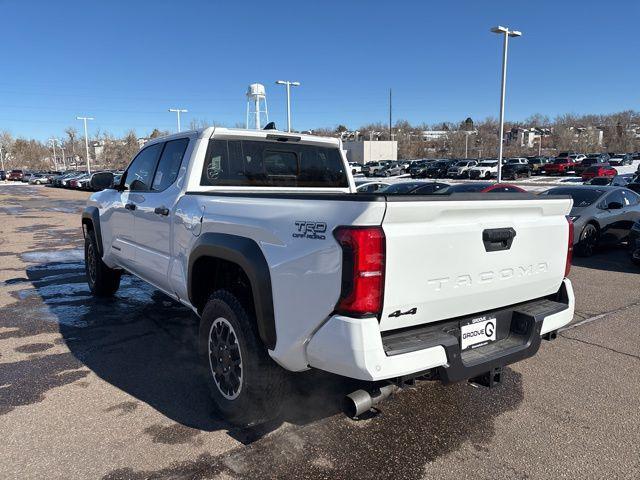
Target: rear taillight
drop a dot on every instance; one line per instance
(363, 258)
(567, 267)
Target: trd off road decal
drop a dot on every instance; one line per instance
(311, 230)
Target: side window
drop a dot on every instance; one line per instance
(615, 197)
(169, 164)
(631, 198)
(138, 175)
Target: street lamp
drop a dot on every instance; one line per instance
(288, 84)
(86, 139)
(178, 111)
(506, 33)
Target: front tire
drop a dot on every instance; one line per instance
(246, 385)
(588, 241)
(103, 281)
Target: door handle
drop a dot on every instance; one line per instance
(164, 211)
(130, 206)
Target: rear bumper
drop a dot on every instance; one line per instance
(355, 348)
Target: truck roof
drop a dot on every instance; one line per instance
(224, 132)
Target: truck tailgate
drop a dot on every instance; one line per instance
(449, 257)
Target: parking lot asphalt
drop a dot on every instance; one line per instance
(111, 389)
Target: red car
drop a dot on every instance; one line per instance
(599, 171)
(15, 175)
(560, 166)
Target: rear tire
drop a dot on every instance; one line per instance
(246, 385)
(588, 240)
(103, 281)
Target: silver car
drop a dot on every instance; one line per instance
(601, 215)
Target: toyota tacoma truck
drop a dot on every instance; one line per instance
(263, 235)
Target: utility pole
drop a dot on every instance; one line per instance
(288, 84)
(540, 145)
(1, 158)
(64, 162)
(55, 160)
(390, 110)
(86, 139)
(466, 145)
(506, 33)
(178, 111)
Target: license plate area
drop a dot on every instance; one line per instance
(478, 332)
(485, 329)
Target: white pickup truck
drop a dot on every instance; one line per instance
(263, 235)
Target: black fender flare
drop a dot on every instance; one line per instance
(92, 215)
(247, 254)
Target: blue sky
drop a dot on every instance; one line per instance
(125, 63)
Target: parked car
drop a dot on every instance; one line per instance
(485, 169)
(599, 181)
(600, 215)
(460, 169)
(371, 168)
(38, 179)
(561, 166)
(623, 179)
(538, 164)
(593, 159)
(392, 169)
(75, 182)
(374, 290)
(67, 179)
(416, 188)
(355, 167)
(619, 159)
(480, 187)
(439, 168)
(599, 171)
(419, 169)
(3, 175)
(15, 175)
(26, 176)
(516, 168)
(634, 243)
(370, 187)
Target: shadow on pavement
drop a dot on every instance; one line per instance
(145, 344)
(140, 341)
(613, 259)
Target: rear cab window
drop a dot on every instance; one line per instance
(253, 163)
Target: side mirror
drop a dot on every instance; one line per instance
(614, 206)
(101, 180)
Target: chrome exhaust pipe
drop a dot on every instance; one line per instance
(361, 401)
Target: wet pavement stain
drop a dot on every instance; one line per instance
(172, 434)
(34, 347)
(21, 387)
(415, 428)
(124, 407)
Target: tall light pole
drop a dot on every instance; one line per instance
(1, 158)
(178, 111)
(64, 162)
(506, 33)
(288, 84)
(53, 144)
(86, 139)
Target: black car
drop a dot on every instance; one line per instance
(512, 171)
(419, 169)
(617, 159)
(415, 188)
(3, 175)
(634, 243)
(439, 169)
(592, 160)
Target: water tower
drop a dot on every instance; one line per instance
(256, 105)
